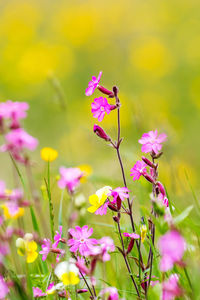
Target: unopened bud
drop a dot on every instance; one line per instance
(115, 90)
(148, 177)
(148, 162)
(130, 246)
(82, 291)
(112, 207)
(116, 219)
(105, 91)
(161, 188)
(119, 203)
(101, 133)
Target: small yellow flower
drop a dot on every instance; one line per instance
(67, 273)
(98, 199)
(87, 171)
(27, 247)
(143, 231)
(12, 214)
(48, 154)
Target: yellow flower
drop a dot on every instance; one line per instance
(143, 231)
(67, 272)
(48, 154)
(27, 247)
(9, 213)
(87, 171)
(98, 199)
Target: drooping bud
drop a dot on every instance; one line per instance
(116, 219)
(112, 207)
(82, 291)
(119, 203)
(148, 177)
(161, 188)
(148, 162)
(101, 133)
(105, 91)
(130, 246)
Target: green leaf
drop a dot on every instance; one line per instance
(180, 218)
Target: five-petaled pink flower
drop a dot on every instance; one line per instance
(14, 111)
(138, 169)
(170, 288)
(70, 178)
(151, 141)
(110, 292)
(80, 240)
(46, 248)
(107, 245)
(100, 106)
(133, 235)
(171, 246)
(121, 192)
(37, 293)
(92, 85)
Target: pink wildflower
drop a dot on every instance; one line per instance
(100, 106)
(102, 210)
(4, 290)
(107, 245)
(170, 288)
(110, 292)
(70, 178)
(152, 142)
(92, 85)
(171, 246)
(14, 111)
(80, 239)
(138, 170)
(57, 237)
(133, 235)
(121, 192)
(38, 292)
(46, 248)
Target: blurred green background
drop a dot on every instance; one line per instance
(150, 49)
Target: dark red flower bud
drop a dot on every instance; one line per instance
(105, 91)
(112, 207)
(116, 219)
(101, 133)
(119, 203)
(148, 162)
(130, 246)
(81, 291)
(148, 177)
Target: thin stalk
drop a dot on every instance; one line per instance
(89, 289)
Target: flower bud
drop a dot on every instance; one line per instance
(119, 203)
(105, 91)
(101, 133)
(116, 219)
(161, 188)
(148, 177)
(82, 291)
(130, 246)
(148, 162)
(112, 207)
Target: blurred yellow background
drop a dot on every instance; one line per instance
(149, 48)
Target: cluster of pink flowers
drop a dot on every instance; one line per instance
(100, 105)
(17, 140)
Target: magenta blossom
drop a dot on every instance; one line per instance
(70, 178)
(170, 288)
(111, 293)
(38, 292)
(107, 245)
(4, 290)
(92, 85)
(121, 192)
(46, 248)
(171, 246)
(57, 237)
(14, 111)
(80, 240)
(100, 106)
(152, 142)
(138, 170)
(133, 235)
(102, 210)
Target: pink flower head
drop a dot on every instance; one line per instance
(133, 235)
(46, 248)
(152, 142)
(171, 246)
(14, 111)
(102, 210)
(121, 192)
(80, 240)
(92, 85)
(100, 106)
(38, 292)
(110, 292)
(170, 288)
(107, 245)
(4, 290)
(57, 237)
(70, 178)
(138, 169)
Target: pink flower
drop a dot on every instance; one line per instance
(107, 245)
(171, 246)
(92, 85)
(70, 178)
(57, 237)
(110, 292)
(100, 106)
(14, 111)
(38, 292)
(102, 210)
(4, 290)
(46, 248)
(16, 141)
(121, 192)
(133, 235)
(152, 142)
(170, 288)
(80, 239)
(138, 169)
